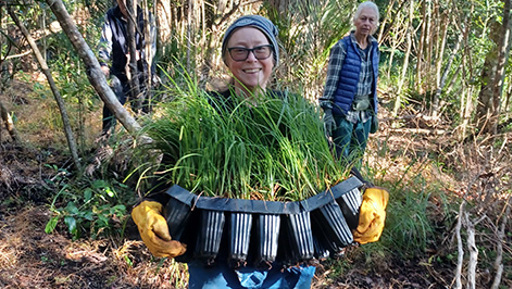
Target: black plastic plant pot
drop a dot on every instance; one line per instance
(239, 237)
(350, 204)
(268, 227)
(321, 252)
(332, 228)
(301, 237)
(177, 215)
(210, 235)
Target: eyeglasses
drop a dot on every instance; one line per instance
(241, 53)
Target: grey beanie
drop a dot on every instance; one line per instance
(263, 24)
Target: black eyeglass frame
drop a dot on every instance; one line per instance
(248, 50)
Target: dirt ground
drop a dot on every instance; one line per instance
(31, 258)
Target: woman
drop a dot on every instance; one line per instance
(250, 51)
(350, 96)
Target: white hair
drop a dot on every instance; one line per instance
(367, 4)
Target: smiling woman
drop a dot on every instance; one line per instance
(246, 156)
(246, 50)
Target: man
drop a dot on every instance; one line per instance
(114, 57)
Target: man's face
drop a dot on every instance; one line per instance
(122, 6)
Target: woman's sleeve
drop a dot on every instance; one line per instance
(336, 58)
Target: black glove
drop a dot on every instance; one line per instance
(329, 122)
(374, 123)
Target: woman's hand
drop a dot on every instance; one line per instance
(154, 231)
(372, 215)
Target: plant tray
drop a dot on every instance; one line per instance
(264, 233)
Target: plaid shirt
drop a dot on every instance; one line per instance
(364, 86)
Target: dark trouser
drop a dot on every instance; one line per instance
(220, 276)
(350, 139)
(121, 88)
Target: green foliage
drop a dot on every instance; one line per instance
(95, 207)
(307, 31)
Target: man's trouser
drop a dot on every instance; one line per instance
(121, 88)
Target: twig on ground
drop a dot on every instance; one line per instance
(460, 255)
(498, 265)
(473, 251)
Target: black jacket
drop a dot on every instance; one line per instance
(113, 45)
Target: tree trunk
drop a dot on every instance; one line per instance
(164, 23)
(442, 81)
(60, 102)
(508, 95)
(502, 60)
(419, 52)
(149, 55)
(489, 97)
(399, 33)
(487, 112)
(9, 124)
(385, 20)
(94, 73)
(429, 40)
(434, 108)
(190, 32)
(401, 80)
(132, 71)
(473, 252)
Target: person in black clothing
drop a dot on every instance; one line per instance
(114, 57)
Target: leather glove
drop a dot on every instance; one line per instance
(329, 122)
(154, 231)
(371, 215)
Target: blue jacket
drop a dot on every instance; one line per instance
(347, 85)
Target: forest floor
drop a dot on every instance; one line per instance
(31, 258)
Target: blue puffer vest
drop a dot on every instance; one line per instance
(347, 85)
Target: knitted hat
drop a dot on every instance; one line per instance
(263, 24)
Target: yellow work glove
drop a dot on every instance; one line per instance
(154, 231)
(371, 215)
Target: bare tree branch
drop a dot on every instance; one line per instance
(60, 102)
(473, 251)
(498, 265)
(460, 255)
(9, 125)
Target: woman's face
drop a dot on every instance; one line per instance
(366, 23)
(251, 74)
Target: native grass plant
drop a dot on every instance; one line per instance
(409, 228)
(271, 148)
